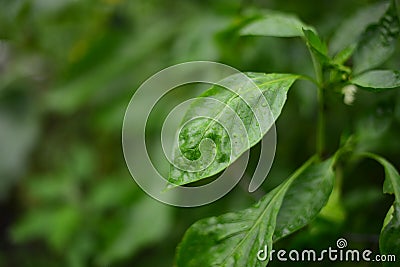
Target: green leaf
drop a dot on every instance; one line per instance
(338, 61)
(276, 24)
(388, 217)
(378, 42)
(315, 42)
(234, 239)
(334, 209)
(344, 55)
(389, 240)
(378, 79)
(316, 46)
(227, 119)
(351, 29)
(305, 198)
(392, 180)
(319, 53)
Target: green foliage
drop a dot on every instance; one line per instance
(390, 235)
(234, 239)
(276, 24)
(305, 198)
(243, 131)
(350, 30)
(378, 79)
(69, 68)
(318, 47)
(378, 42)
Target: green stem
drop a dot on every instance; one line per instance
(320, 139)
(320, 135)
(310, 79)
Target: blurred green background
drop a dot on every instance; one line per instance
(67, 71)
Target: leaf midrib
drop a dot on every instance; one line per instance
(267, 208)
(235, 95)
(282, 190)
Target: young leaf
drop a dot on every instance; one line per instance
(389, 240)
(315, 42)
(343, 55)
(378, 42)
(319, 53)
(276, 24)
(228, 125)
(305, 198)
(378, 79)
(233, 239)
(316, 46)
(351, 29)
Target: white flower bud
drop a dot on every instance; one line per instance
(349, 92)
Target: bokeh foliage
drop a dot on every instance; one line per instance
(67, 71)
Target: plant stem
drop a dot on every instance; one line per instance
(320, 138)
(320, 135)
